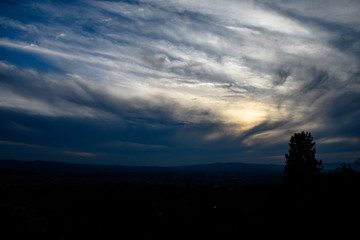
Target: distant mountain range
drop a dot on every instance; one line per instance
(49, 167)
(62, 168)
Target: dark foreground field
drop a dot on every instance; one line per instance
(171, 204)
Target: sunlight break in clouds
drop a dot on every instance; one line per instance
(185, 75)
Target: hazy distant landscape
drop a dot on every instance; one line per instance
(71, 201)
(217, 174)
(54, 200)
(206, 174)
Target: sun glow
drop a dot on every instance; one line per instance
(245, 118)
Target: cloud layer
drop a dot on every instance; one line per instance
(178, 82)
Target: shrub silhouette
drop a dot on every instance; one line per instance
(348, 169)
(301, 164)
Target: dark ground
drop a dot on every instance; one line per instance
(173, 205)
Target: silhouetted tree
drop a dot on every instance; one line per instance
(348, 169)
(301, 163)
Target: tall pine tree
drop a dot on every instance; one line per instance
(301, 163)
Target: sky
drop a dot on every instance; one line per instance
(169, 83)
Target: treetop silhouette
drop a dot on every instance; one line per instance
(301, 163)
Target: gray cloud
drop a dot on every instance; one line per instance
(283, 73)
(75, 96)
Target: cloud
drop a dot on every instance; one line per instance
(339, 140)
(80, 154)
(74, 96)
(185, 74)
(19, 144)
